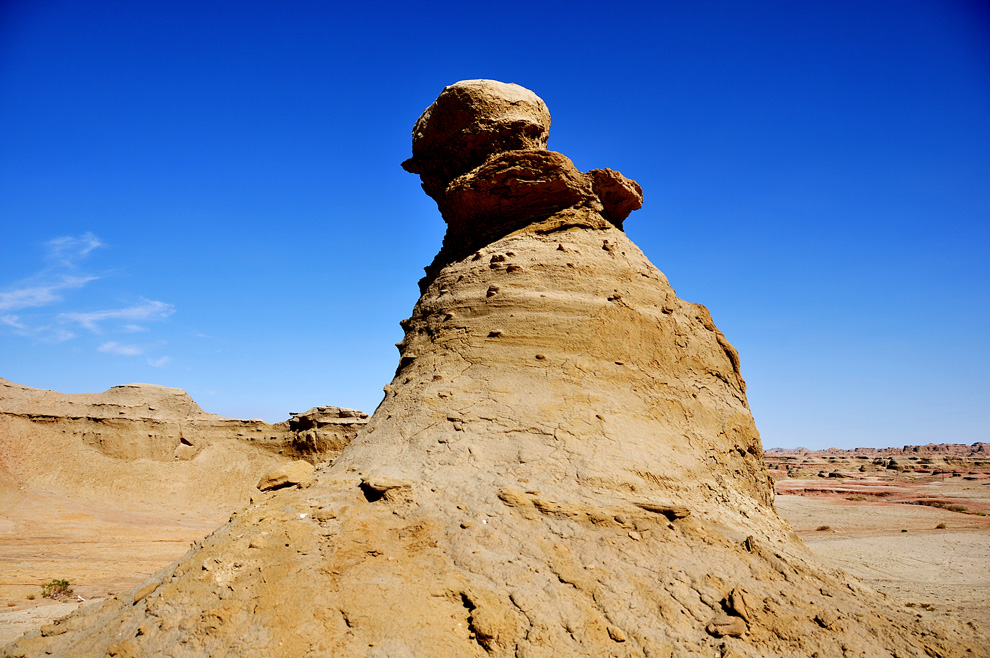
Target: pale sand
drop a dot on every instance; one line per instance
(99, 549)
(947, 569)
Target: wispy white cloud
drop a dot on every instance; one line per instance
(35, 294)
(37, 306)
(148, 310)
(48, 287)
(12, 321)
(68, 250)
(46, 333)
(58, 334)
(160, 362)
(113, 347)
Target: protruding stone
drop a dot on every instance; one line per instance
(727, 625)
(378, 487)
(469, 121)
(619, 195)
(297, 473)
(741, 604)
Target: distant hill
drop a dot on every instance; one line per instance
(143, 444)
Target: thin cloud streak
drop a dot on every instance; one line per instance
(149, 310)
(45, 333)
(113, 347)
(13, 321)
(41, 294)
(68, 249)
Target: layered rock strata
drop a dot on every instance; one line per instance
(116, 444)
(322, 432)
(565, 464)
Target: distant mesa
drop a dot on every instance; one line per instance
(110, 445)
(133, 401)
(564, 464)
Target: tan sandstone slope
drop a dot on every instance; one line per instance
(104, 489)
(564, 464)
(141, 444)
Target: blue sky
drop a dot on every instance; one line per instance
(208, 194)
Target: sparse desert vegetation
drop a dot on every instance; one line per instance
(58, 590)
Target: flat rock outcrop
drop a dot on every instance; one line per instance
(565, 464)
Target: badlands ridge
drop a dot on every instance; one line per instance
(565, 463)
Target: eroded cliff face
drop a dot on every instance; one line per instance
(142, 443)
(564, 464)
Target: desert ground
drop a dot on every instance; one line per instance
(99, 549)
(913, 525)
(868, 523)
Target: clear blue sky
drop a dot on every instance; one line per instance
(208, 194)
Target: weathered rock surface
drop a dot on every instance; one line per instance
(564, 464)
(142, 442)
(322, 432)
(468, 123)
(297, 472)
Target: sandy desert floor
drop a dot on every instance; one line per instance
(100, 550)
(894, 547)
(897, 549)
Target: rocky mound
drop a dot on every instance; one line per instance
(153, 444)
(564, 464)
(134, 401)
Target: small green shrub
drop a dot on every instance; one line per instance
(30, 597)
(823, 528)
(56, 589)
(941, 505)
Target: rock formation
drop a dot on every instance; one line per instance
(565, 463)
(113, 445)
(322, 432)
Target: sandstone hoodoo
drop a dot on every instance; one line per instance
(564, 464)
